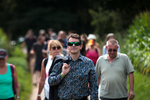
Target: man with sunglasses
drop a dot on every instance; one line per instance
(112, 70)
(73, 78)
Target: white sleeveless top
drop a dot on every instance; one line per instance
(46, 85)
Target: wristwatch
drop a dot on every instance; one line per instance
(38, 95)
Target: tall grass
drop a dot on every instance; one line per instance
(138, 42)
(141, 86)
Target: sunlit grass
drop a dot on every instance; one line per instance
(141, 86)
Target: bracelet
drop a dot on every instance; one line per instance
(18, 97)
(62, 75)
(38, 95)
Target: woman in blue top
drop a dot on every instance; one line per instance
(6, 80)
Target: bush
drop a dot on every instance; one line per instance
(105, 21)
(137, 44)
(17, 52)
(4, 42)
(24, 77)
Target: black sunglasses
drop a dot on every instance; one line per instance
(114, 50)
(54, 48)
(75, 43)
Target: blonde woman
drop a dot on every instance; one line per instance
(55, 48)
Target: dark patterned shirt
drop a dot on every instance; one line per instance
(75, 84)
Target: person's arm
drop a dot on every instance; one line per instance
(32, 51)
(99, 80)
(93, 82)
(23, 44)
(56, 76)
(99, 52)
(16, 83)
(131, 91)
(42, 80)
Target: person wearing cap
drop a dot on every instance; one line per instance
(6, 79)
(93, 52)
(108, 37)
(92, 36)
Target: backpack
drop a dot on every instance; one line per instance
(53, 93)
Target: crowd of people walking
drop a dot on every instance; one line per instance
(87, 68)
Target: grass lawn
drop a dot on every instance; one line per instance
(141, 86)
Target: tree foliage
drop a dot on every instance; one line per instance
(105, 21)
(17, 16)
(3, 40)
(137, 44)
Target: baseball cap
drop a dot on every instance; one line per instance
(3, 53)
(91, 36)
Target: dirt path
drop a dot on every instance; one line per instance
(34, 92)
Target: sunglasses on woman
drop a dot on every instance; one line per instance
(54, 48)
(75, 43)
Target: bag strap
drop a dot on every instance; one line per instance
(96, 50)
(45, 62)
(12, 71)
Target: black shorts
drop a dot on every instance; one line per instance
(9, 99)
(37, 65)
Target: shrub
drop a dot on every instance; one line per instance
(137, 43)
(24, 77)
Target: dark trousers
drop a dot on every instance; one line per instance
(84, 98)
(8, 99)
(113, 99)
(45, 98)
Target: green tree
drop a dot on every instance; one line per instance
(3, 40)
(105, 21)
(137, 44)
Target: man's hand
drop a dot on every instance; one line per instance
(131, 95)
(65, 68)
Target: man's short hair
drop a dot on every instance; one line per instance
(76, 36)
(109, 35)
(61, 40)
(112, 41)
